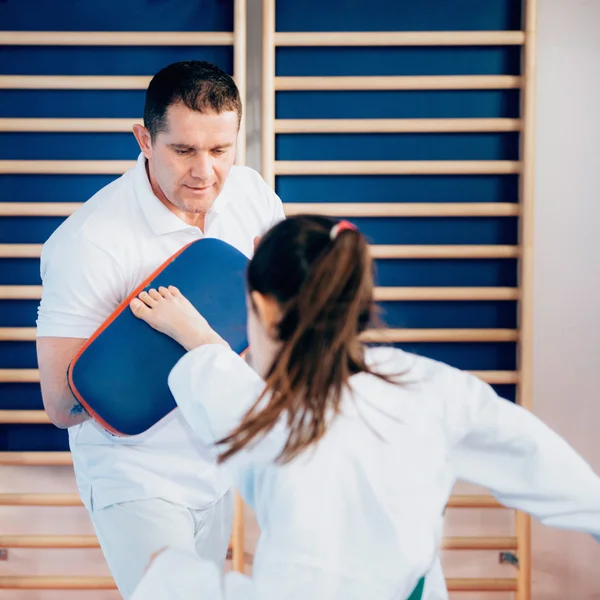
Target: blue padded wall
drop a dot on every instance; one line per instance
(426, 15)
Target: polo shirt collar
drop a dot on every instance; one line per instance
(159, 217)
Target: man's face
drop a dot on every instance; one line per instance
(189, 161)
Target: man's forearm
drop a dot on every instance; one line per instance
(54, 357)
(66, 411)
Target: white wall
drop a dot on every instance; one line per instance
(567, 270)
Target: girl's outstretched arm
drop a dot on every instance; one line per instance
(524, 463)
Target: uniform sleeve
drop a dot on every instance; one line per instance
(525, 464)
(214, 388)
(81, 286)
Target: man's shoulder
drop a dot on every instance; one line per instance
(99, 219)
(113, 200)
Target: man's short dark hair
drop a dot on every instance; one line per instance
(197, 84)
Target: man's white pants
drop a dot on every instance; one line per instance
(129, 533)
(176, 575)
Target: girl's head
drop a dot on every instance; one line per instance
(310, 295)
(310, 285)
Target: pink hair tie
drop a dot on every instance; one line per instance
(341, 226)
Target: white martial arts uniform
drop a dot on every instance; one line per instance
(359, 515)
(162, 487)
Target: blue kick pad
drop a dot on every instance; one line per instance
(120, 374)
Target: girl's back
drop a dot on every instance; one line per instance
(363, 508)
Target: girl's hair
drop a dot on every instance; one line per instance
(323, 282)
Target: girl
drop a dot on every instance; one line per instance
(348, 454)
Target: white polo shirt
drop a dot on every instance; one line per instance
(90, 264)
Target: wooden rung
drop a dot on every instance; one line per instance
(55, 582)
(23, 417)
(17, 334)
(49, 541)
(68, 125)
(34, 292)
(35, 459)
(498, 377)
(116, 38)
(403, 209)
(410, 82)
(381, 251)
(32, 499)
(20, 250)
(392, 294)
(474, 543)
(65, 167)
(19, 376)
(393, 167)
(88, 542)
(386, 125)
(13, 334)
(399, 38)
(282, 167)
(474, 501)
(335, 209)
(282, 125)
(91, 541)
(52, 541)
(378, 251)
(38, 209)
(20, 292)
(440, 335)
(74, 82)
(40, 500)
(481, 585)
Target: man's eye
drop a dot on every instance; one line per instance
(182, 152)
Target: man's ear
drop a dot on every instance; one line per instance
(142, 135)
(256, 242)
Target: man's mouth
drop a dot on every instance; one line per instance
(198, 189)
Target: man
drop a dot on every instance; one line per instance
(161, 488)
